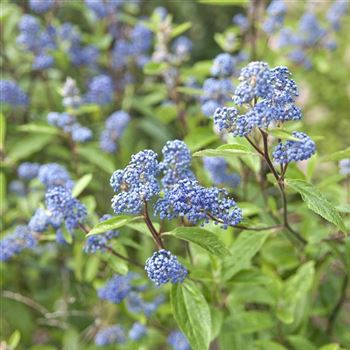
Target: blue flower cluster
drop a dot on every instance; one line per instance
(14, 243)
(182, 47)
(178, 341)
(100, 90)
(276, 12)
(99, 243)
(11, 94)
(69, 125)
(188, 199)
(117, 288)
(28, 171)
(137, 331)
(218, 170)
(241, 21)
(344, 166)
(32, 38)
(223, 65)
(53, 174)
(41, 6)
(63, 207)
(163, 267)
(103, 8)
(110, 335)
(114, 128)
(311, 33)
(294, 151)
(136, 304)
(136, 183)
(40, 221)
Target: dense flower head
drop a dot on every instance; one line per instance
(14, 243)
(226, 119)
(28, 171)
(62, 205)
(136, 304)
(178, 341)
(100, 90)
(310, 29)
(137, 331)
(39, 221)
(114, 128)
(80, 133)
(218, 170)
(276, 12)
(188, 199)
(12, 94)
(294, 151)
(136, 183)
(223, 65)
(176, 162)
(163, 267)
(103, 8)
(216, 92)
(344, 166)
(241, 21)
(41, 6)
(255, 83)
(110, 335)
(116, 289)
(43, 61)
(84, 56)
(53, 174)
(182, 47)
(337, 10)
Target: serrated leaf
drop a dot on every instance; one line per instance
(203, 238)
(81, 184)
(294, 289)
(192, 314)
(283, 134)
(244, 248)
(339, 155)
(112, 224)
(181, 28)
(315, 201)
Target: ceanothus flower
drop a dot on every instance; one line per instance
(178, 341)
(223, 65)
(311, 29)
(18, 187)
(182, 47)
(116, 289)
(188, 199)
(83, 56)
(114, 128)
(28, 171)
(100, 90)
(110, 335)
(294, 151)
(176, 162)
(39, 221)
(241, 21)
(276, 12)
(137, 331)
(163, 267)
(53, 174)
(80, 133)
(64, 207)
(218, 170)
(11, 94)
(344, 166)
(103, 8)
(136, 183)
(136, 304)
(41, 6)
(14, 243)
(335, 12)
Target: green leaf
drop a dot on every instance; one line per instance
(154, 68)
(199, 137)
(250, 322)
(189, 91)
(81, 184)
(37, 128)
(269, 345)
(181, 28)
(97, 157)
(293, 291)
(2, 131)
(244, 248)
(26, 146)
(332, 346)
(67, 236)
(192, 314)
(14, 340)
(226, 151)
(203, 238)
(300, 343)
(112, 224)
(339, 155)
(283, 134)
(315, 201)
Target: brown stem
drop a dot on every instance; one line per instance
(130, 261)
(152, 229)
